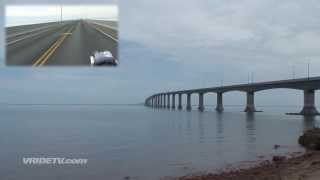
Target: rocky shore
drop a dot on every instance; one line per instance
(305, 166)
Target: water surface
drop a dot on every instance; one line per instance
(139, 142)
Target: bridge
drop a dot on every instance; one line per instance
(307, 85)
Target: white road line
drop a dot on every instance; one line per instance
(26, 32)
(108, 35)
(107, 26)
(18, 40)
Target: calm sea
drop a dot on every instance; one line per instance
(136, 142)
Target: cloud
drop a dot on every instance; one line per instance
(38, 2)
(269, 26)
(303, 44)
(1, 36)
(31, 14)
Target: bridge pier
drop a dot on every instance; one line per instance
(157, 101)
(219, 107)
(179, 101)
(189, 102)
(173, 104)
(201, 105)
(161, 102)
(164, 101)
(309, 108)
(250, 102)
(168, 101)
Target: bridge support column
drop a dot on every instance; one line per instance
(157, 101)
(154, 101)
(309, 107)
(164, 105)
(164, 102)
(173, 105)
(179, 101)
(219, 107)
(250, 102)
(168, 101)
(201, 105)
(161, 100)
(189, 102)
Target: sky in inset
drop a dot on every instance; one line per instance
(31, 14)
(2, 49)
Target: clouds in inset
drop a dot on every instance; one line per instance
(2, 49)
(73, 2)
(31, 14)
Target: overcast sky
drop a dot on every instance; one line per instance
(1, 35)
(72, 2)
(169, 45)
(31, 14)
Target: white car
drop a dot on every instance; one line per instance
(103, 58)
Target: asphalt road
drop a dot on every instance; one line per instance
(69, 43)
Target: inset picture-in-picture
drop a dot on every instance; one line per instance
(62, 35)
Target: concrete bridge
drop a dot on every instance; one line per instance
(307, 85)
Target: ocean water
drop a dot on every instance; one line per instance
(139, 142)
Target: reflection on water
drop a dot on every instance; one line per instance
(309, 122)
(201, 128)
(139, 142)
(250, 131)
(219, 127)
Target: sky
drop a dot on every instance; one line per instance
(71, 2)
(193, 44)
(32, 14)
(1, 34)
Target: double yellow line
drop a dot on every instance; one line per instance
(44, 58)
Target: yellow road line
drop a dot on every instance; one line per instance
(52, 51)
(44, 58)
(45, 54)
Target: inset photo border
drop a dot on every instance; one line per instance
(40, 35)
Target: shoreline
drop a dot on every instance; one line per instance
(293, 166)
(305, 166)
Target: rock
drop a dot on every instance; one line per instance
(276, 146)
(315, 163)
(311, 139)
(278, 158)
